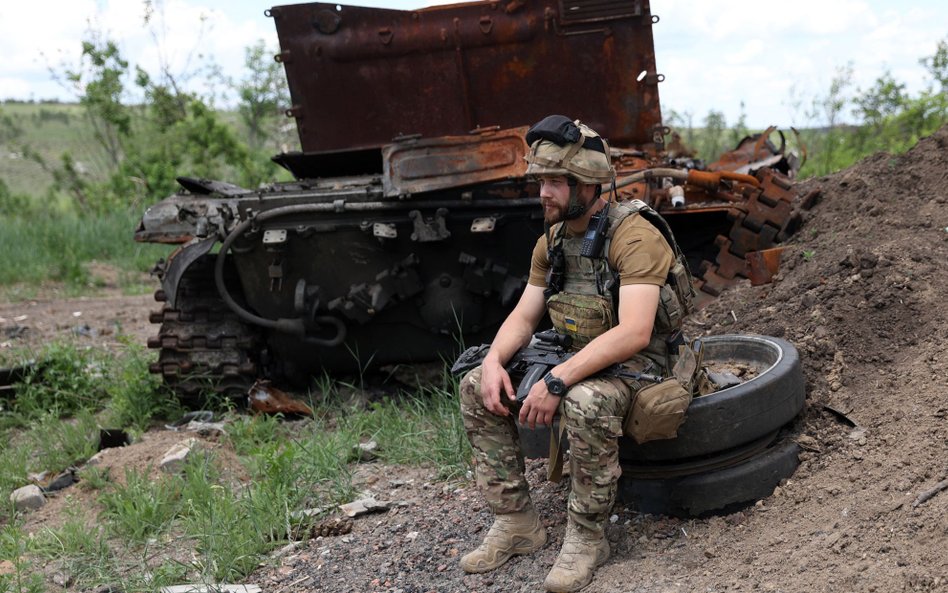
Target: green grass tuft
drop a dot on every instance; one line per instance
(141, 507)
(58, 247)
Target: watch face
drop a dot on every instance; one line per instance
(553, 385)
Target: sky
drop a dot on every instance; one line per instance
(774, 56)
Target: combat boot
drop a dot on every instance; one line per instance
(513, 533)
(583, 550)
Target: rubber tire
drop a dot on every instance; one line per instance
(713, 492)
(737, 415)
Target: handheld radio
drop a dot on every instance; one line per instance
(595, 236)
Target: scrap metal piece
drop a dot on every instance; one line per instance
(274, 236)
(426, 231)
(393, 285)
(177, 218)
(762, 265)
(10, 376)
(756, 152)
(424, 165)
(483, 225)
(267, 399)
(762, 220)
(384, 230)
(468, 61)
(210, 186)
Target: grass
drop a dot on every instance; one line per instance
(50, 129)
(58, 248)
(141, 507)
(19, 576)
(151, 529)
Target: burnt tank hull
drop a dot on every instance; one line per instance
(408, 230)
(407, 280)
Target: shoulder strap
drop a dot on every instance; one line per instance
(624, 209)
(657, 221)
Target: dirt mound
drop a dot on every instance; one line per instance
(859, 293)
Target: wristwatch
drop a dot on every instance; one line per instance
(553, 385)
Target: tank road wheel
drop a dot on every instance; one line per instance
(204, 348)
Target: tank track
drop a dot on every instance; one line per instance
(768, 217)
(204, 348)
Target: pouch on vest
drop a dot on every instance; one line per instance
(580, 316)
(657, 411)
(690, 371)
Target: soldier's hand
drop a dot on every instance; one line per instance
(539, 407)
(495, 383)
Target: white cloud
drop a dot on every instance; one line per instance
(772, 54)
(767, 53)
(15, 87)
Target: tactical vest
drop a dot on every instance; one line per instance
(587, 306)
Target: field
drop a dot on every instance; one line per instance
(859, 295)
(50, 129)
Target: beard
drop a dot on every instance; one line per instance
(553, 212)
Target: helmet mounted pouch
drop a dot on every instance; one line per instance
(558, 129)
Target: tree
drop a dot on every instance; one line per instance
(99, 83)
(263, 95)
(937, 65)
(884, 99)
(713, 140)
(831, 105)
(739, 131)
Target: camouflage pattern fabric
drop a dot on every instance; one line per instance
(498, 461)
(593, 411)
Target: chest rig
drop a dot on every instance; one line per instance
(583, 293)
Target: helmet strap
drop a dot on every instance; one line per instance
(575, 209)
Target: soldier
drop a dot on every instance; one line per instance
(601, 271)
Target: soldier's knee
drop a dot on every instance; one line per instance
(587, 418)
(579, 403)
(470, 389)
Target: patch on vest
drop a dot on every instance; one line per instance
(580, 316)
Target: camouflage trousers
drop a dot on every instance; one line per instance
(592, 410)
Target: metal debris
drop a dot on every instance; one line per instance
(267, 399)
(363, 506)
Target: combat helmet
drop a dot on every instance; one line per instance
(560, 146)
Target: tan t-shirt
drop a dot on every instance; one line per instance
(638, 251)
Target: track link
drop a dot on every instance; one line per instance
(204, 348)
(765, 219)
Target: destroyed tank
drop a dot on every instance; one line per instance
(407, 230)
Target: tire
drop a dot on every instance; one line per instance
(713, 492)
(737, 415)
(698, 465)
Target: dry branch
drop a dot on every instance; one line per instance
(924, 496)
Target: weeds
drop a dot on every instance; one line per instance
(137, 397)
(59, 247)
(81, 550)
(94, 478)
(59, 444)
(19, 577)
(248, 434)
(65, 380)
(226, 525)
(141, 507)
(422, 429)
